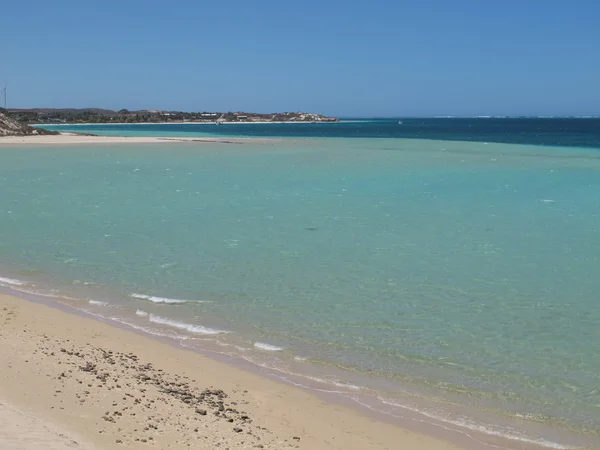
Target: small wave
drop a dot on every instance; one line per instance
(98, 303)
(300, 358)
(473, 426)
(141, 313)
(85, 283)
(241, 349)
(347, 385)
(51, 294)
(12, 281)
(184, 326)
(267, 347)
(339, 384)
(145, 329)
(154, 299)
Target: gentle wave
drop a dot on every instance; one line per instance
(184, 326)
(98, 303)
(473, 426)
(241, 349)
(12, 281)
(347, 385)
(330, 382)
(339, 384)
(51, 294)
(267, 347)
(461, 423)
(144, 329)
(85, 283)
(288, 377)
(154, 299)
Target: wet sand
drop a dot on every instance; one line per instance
(69, 381)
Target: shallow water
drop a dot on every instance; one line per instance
(567, 132)
(454, 278)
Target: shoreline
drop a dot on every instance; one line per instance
(105, 383)
(415, 423)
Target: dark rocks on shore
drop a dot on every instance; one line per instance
(142, 392)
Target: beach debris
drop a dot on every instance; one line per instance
(156, 401)
(89, 367)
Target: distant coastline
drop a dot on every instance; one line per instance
(46, 116)
(178, 123)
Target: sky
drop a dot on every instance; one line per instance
(344, 58)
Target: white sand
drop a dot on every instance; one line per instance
(22, 431)
(118, 389)
(72, 138)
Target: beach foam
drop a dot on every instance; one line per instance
(141, 313)
(473, 426)
(12, 281)
(98, 303)
(145, 329)
(184, 326)
(354, 387)
(154, 299)
(267, 347)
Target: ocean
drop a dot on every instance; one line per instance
(448, 276)
(567, 132)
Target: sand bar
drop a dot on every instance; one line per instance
(73, 378)
(73, 138)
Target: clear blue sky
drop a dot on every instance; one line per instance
(348, 58)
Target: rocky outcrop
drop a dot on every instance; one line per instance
(9, 127)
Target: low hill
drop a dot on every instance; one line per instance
(10, 127)
(97, 115)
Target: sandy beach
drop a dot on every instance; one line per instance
(70, 381)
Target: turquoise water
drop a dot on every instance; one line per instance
(455, 278)
(559, 131)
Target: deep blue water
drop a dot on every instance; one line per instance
(564, 132)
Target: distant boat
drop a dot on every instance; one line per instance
(399, 122)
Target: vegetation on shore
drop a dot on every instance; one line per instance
(10, 127)
(95, 115)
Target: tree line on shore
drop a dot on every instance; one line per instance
(126, 116)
